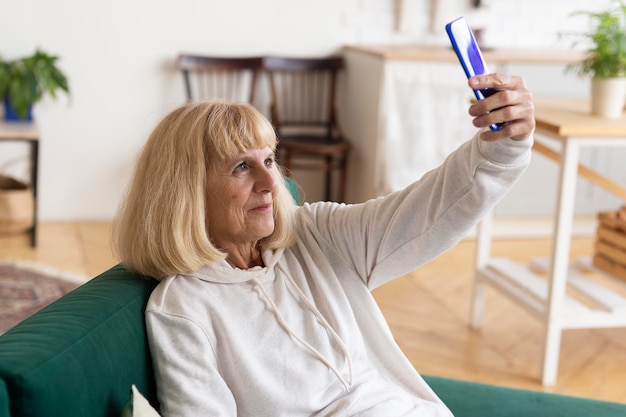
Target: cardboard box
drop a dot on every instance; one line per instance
(610, 247)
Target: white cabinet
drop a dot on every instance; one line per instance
(405, 108)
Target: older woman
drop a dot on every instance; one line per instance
(264, 307)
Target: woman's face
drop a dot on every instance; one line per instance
(240, 195)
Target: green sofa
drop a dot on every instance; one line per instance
(79, 356)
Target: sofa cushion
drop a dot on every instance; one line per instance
(80, 355)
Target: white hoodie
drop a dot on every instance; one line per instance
(302, 336)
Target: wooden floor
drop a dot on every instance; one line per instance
(428, 314)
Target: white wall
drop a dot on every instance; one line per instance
(118, 55)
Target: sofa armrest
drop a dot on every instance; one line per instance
(4, 400)
(80, 355)
(469, 399)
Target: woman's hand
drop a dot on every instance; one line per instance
(511, 105)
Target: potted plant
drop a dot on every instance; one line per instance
(24, 81)
(606, 59)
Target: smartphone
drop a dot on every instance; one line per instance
(470, 57)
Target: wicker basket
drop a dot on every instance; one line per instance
(16, 206)
(610, 247)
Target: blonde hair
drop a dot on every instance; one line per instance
(160, 228)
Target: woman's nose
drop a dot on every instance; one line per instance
(266, 180)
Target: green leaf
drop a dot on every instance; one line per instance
(606, 55)
(26, 80)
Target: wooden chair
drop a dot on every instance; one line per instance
(305, 117)
(210, 77)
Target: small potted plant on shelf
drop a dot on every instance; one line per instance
(24, 81)
(605, 62)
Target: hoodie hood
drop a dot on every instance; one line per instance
(223, 273)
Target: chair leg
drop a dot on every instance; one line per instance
(329, 176)
(331, 164)
(343, 167)
(287, 165)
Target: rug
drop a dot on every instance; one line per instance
(26, 288)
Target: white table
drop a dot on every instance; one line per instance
(570, 123)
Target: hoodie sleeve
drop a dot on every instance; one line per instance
(393, 235)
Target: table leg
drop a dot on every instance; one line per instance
(34, 172)
(483, 251)
(560, 259)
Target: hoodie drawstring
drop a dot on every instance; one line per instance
(281, 320)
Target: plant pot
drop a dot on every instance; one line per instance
(608, 96)
(11, 115)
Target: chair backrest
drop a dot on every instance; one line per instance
(210, 77)
(303, 92)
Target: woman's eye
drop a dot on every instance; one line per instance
(241, 167)
(269, 162)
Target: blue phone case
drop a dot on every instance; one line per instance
(470, 57)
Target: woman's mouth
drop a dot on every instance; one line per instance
(262, 207)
